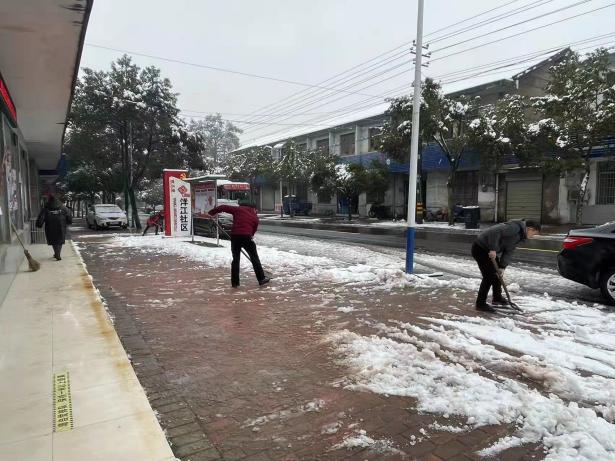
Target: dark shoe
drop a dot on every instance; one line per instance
(484, 307)
(58, 258)
(264, 281)
(501, 303)
(235, 285)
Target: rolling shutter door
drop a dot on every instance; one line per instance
(268, 197)
(524, 200)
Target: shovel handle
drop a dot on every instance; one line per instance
(226, 233)
(498, 271)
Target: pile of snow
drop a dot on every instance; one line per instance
(389, 367)
(360, 439)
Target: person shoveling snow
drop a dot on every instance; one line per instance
(498, 244)
(245, 224)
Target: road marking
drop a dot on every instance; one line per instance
(62, 403)
(539, 249)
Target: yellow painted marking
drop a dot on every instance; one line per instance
(62, 404)
(539, 249)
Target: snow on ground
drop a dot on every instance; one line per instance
(386, 366)
(360, 439)
(550, 373)
(355, 266)
(287, 218)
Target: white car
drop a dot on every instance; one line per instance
(106, 216)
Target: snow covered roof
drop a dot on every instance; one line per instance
(336, 123)
(495, 84)
(233, 185)
(551, 59)
(207, 177)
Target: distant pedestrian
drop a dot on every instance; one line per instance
(498, 244)
(245, 224)
(55, 217)
(154, 221)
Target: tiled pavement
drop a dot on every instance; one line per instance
(235, 374)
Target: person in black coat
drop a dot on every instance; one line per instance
(55, 216)
(495, 247)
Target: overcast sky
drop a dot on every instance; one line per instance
(309, 41)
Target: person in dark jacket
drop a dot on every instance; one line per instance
(55, 217)
(245, 224)
(154, 221)
(498, 244)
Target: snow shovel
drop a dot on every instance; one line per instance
(268, 274)
(501, 277)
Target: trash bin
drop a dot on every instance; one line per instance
(289, 204)
(472, 216)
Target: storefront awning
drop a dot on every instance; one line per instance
(40, 50)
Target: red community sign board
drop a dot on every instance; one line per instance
(166, 192)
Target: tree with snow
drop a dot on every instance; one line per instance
(329, 177)
(215, 136)
(249, 164)
(322, 173)
(349, 181)
(151, 192)
(125, 120)
(577, 115)
(500, 130)
(443, 120)
(293, 167)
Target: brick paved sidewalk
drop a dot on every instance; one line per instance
(244, 374)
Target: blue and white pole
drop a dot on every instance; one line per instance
(414, 143)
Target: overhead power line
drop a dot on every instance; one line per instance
(326, 97)
(548, 13)
(266, 123)
(522, 9)
(470, 18)
(281, 102)
(221, 69)
(309, 94)
(521, 33)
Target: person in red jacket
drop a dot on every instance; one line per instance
(155, 220)
(245, 223)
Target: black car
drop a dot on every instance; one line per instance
(588, 257)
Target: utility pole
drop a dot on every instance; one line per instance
(414, 143)
(125, 172)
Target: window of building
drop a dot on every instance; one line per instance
(302, 147)
(323, 145)
(347, 146)
(374, 135)
(605, 194)
(465, 191)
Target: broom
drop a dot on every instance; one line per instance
(32, 263)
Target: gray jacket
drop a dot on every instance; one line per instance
(503, 239)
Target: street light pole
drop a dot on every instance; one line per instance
(414, 144)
